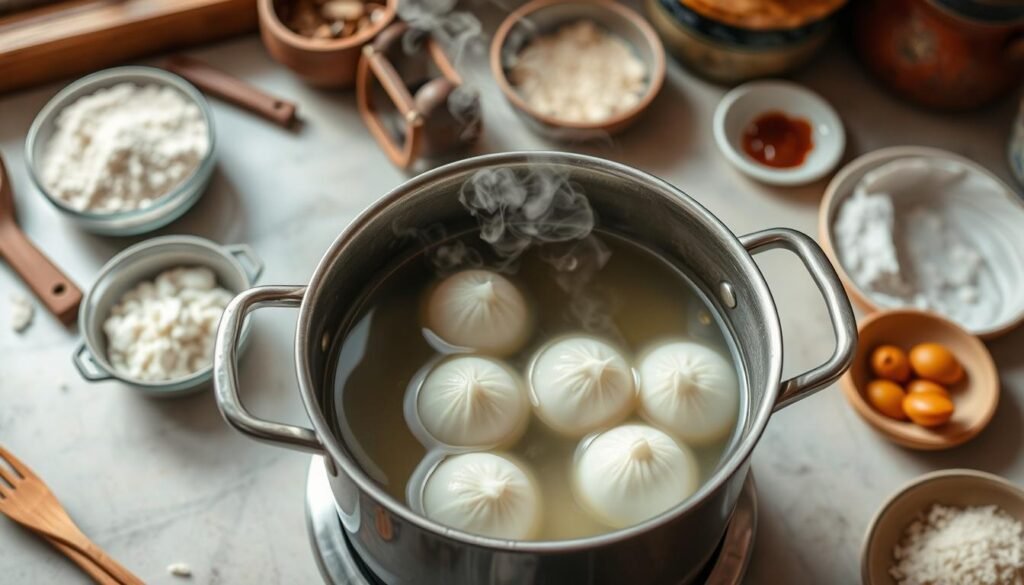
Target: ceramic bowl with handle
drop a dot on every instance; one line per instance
(236, 268)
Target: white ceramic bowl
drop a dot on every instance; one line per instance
(994, 220)
(745, 103)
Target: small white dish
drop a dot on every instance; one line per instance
(744, 104)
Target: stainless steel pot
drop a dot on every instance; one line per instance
(402, 547)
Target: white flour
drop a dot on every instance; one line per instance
(579, 74)
(907, 252)
(981, 545)
(164, 329)
(123, 147)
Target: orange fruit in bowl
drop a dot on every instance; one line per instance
(890, 363)
(933, 361)
(919, 385)
(887, 398)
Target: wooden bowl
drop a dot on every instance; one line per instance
(544, 16)
(329, 63)
(1001, 238)
(951, 487)
(975, 397)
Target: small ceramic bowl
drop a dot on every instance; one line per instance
(544, 17)
(741, 106)
(975, 398)
(236, 267)
(952, 487)
(727, 48)
(329, 63)
(165, 209)
(994, 219)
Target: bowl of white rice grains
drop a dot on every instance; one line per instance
(123, 151)
(951, 527)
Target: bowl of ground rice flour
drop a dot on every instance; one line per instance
(952, 527)
(123, 151)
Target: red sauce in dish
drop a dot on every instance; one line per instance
(776, 140)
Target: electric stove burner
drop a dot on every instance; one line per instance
(340, 565)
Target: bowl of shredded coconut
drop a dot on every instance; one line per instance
(577, 69)
(922, 228)
(151, 317)
(123, 151)
(950, 527)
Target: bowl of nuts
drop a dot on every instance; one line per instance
(321, 40)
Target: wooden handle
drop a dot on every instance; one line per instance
(233, 90)
(73, 538)
(112, 567)
(60, 296)
(84, 563)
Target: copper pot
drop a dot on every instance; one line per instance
(946, 54)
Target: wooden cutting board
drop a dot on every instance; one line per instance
(74, 37)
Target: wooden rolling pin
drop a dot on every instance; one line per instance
(233, 90)
(60, 296)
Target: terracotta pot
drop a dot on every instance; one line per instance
(947, 54)
(320, 62)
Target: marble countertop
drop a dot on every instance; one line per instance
(157, 482)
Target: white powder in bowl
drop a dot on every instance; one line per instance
(980, 545)
(580, 73)
(164, 329)
(123, 147)
(906, 245)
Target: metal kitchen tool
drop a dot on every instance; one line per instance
(402, 546)
(60, 296)
(414, 103)
(25, 499)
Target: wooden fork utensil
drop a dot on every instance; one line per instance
(60, 296)
(25, 499)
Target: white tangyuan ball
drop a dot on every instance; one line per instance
(483, 493)
(480, 310)
(689, 390)
(633, 472)
(579, 384)
(471, 401)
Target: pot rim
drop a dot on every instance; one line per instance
(731, 465)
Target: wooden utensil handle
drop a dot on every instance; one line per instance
(85, 563)
(233, 90)
(73, 538)
(60, 296)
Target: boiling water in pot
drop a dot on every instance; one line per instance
(603, 285)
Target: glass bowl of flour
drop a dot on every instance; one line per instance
(123, 151)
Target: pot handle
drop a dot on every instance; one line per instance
(225, 369)
(839, 311)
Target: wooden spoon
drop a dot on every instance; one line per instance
(60, 296)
